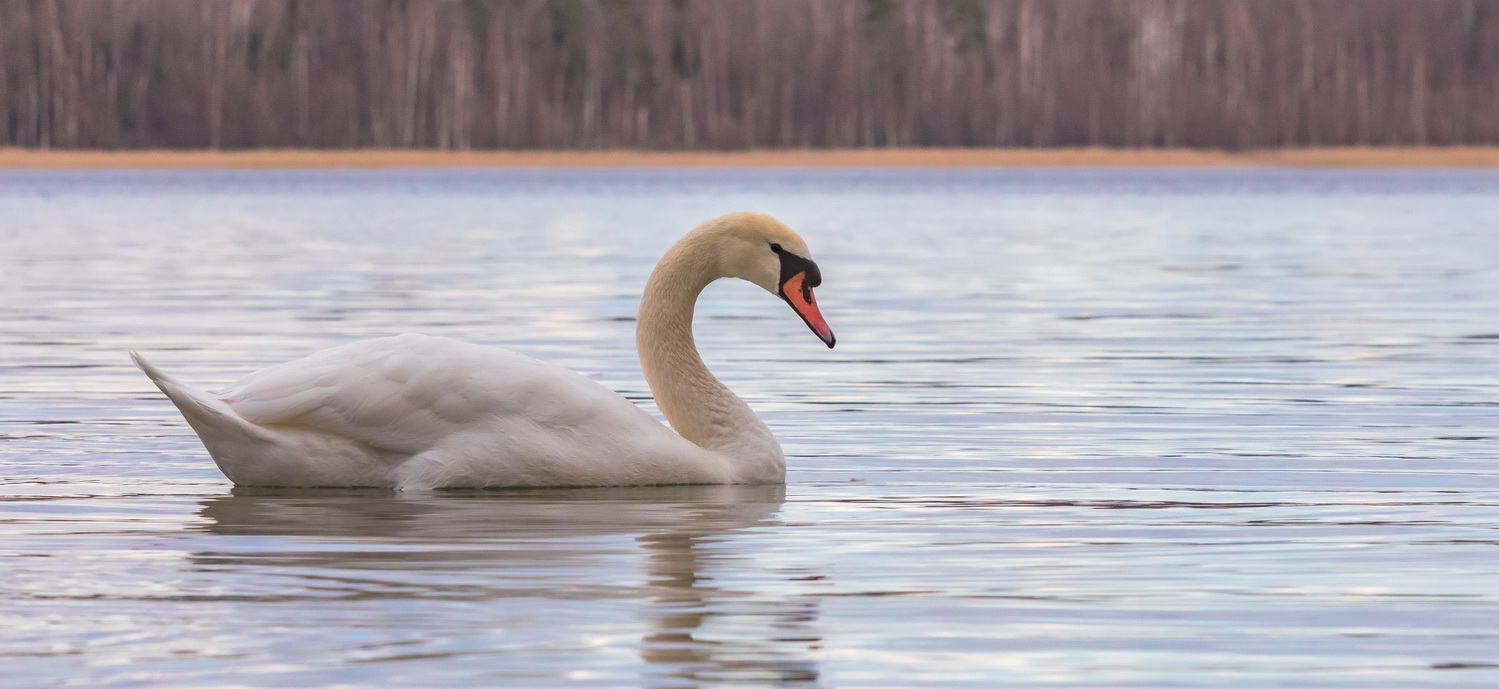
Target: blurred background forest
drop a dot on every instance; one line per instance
(708, 74)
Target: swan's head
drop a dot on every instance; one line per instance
(763, 250)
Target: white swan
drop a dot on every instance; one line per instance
(417, 412)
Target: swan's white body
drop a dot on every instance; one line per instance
(418, 412)
(428, 412)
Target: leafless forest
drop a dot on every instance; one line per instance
(719, 74)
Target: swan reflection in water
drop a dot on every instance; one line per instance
(515, 549)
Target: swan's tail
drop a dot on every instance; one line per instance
(253, 455)
(212, 418)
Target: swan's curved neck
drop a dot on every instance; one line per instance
(698, 406)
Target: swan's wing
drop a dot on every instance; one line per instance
(408, 392)
(285, 392)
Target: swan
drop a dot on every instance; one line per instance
(413, 412)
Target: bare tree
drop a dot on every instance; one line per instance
(672, 74)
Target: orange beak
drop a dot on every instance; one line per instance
(798, 294)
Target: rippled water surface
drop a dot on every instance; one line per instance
(1082, 428)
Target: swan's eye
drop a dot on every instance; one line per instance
(776, 248)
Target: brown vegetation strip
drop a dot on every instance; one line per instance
(888, 158)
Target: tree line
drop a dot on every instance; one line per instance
(719, 74)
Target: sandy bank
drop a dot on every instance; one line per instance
(891, 158)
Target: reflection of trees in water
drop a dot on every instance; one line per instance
(514, 545)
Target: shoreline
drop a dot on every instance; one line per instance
(1456, 157)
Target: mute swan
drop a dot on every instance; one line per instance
(415, 412)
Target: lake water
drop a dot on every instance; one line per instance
(1083, 428)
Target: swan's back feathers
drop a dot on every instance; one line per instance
(407, 393)
(427, 412)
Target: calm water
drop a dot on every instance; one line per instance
(1082, 429)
